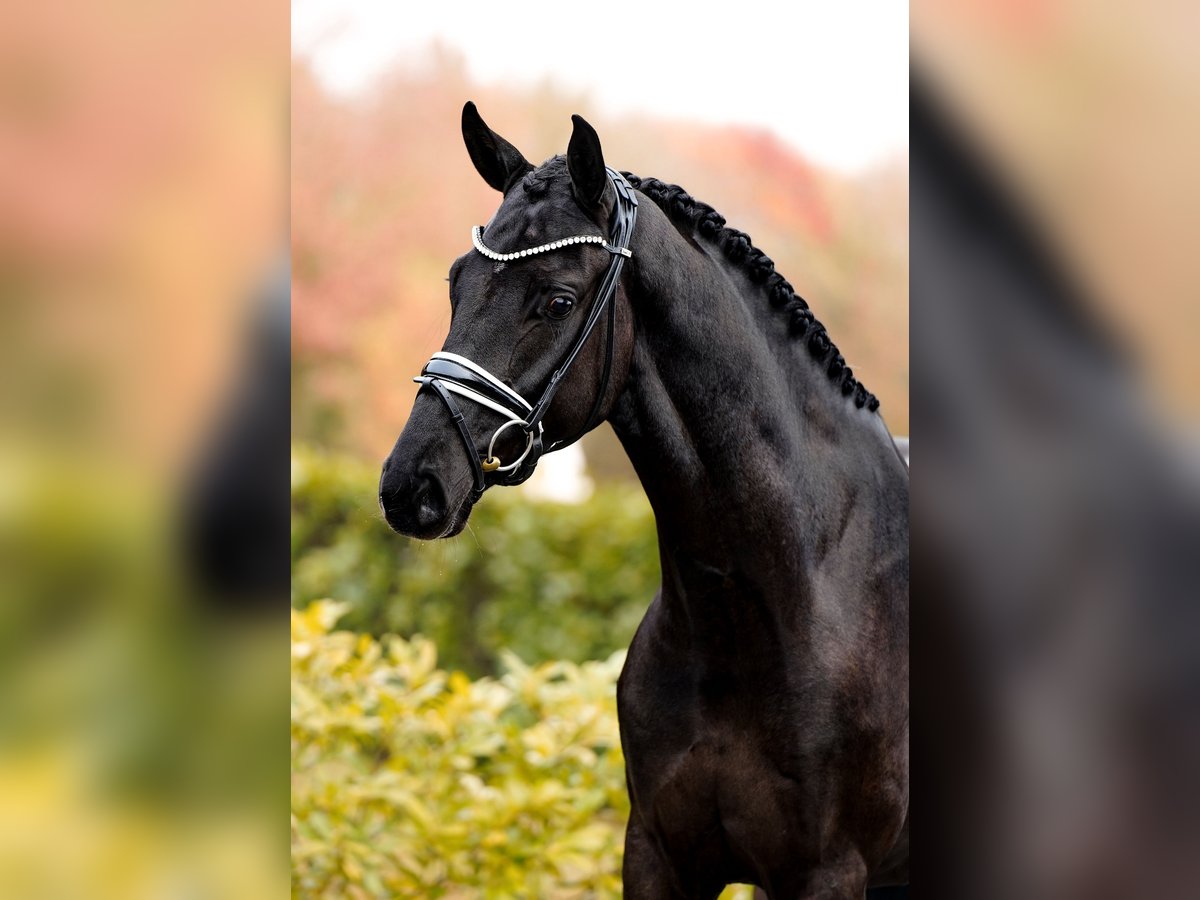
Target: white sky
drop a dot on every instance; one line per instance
(829, 78)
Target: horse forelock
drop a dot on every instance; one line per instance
(537, 182)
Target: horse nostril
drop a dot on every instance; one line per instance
(387, 464)
(430, 501)
(414, 499)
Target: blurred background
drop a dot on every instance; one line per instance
(792, 122)
(143, 257)
(1056, 506)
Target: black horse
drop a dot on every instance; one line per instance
(764, 702)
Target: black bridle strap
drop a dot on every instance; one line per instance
(624, 218)
(605, 373)
(460, 420)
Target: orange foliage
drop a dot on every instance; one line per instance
(383, 197)
(140, 207)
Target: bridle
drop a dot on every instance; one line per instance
(448, 374)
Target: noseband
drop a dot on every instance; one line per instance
(448, 374)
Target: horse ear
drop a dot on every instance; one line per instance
(498, 161)
(585, 162)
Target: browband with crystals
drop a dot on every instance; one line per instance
(477, 240)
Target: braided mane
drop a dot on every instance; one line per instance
(683, 209)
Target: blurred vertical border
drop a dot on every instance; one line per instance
(143, 458)
(1056, 509)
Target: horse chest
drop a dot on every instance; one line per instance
(705, 774)
(720, 801)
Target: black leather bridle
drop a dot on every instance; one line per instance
(448, 374)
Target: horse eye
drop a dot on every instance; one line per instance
(560, 307)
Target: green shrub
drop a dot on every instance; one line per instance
(548, 580)
(410, 781)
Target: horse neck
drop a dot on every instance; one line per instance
(748, 453)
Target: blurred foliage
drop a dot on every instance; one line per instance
(141, 731)
(411, 781)
(548, 580)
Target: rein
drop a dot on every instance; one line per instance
(448, 374)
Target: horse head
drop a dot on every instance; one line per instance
(540, 333)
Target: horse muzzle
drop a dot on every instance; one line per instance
(451, 376)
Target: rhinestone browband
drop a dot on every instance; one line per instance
(477, 240)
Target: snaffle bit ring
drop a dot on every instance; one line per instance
(491, 463)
